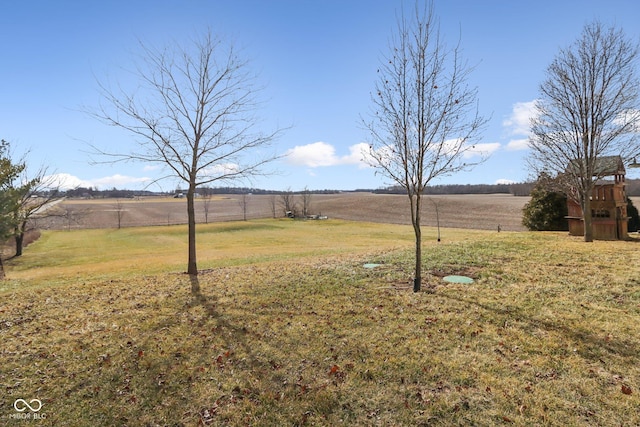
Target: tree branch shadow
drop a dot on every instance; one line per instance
(589, 343)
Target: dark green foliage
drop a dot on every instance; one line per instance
(546, 211)
(9, 194)
(634, 218)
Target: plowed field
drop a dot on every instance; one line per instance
(477, 211)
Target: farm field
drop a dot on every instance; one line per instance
(454, 211)
(468, 211)
(290, 328)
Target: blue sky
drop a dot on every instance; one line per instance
(318, 60)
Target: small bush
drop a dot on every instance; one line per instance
(546, 211)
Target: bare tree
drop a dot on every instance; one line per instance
(243, 201)
(306, 201)
(273, 204)
(425, 117)
(70, 215)
(120, 211)
(588, 109)
(35, 195)
(207, 194)
(194, 114)
(287, 200)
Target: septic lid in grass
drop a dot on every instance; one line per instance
(371, 265)
(458, 279)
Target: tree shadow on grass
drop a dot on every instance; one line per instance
(165, 374)
(198, 298)
(588, 343)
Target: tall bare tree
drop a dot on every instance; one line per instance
(195, 114)
(588, 109)
(425, 117)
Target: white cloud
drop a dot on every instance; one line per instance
(320, 154)
(67, 181)
(221, 169)
(505, 181)
(451, 146)
(519, 121)
(482, 150)
(630, 118)
(359, 154)
(518, 144)
(119, 181)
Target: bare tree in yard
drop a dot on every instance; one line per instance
(195, 115)
(425, 116)
(588, 109)
(35, 195)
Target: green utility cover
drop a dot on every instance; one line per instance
(371, 265)
(458, 279)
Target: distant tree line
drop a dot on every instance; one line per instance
(246, 190)
(113, 193)
(516, 189)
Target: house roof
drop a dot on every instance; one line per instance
(604, 166)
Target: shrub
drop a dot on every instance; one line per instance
(634, 217)
(546, 211)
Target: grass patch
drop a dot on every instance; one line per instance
(547, 334)
(59, 256)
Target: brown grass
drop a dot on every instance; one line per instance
(548, 334)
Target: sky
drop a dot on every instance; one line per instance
(317, 62)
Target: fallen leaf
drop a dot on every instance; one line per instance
(626, 390)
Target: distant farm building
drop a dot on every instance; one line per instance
(608, 203)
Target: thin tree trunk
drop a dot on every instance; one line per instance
(415, 220)
(192, 267)
(587, 219)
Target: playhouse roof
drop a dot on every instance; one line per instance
(604, 166)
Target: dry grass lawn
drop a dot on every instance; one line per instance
(291, 329)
